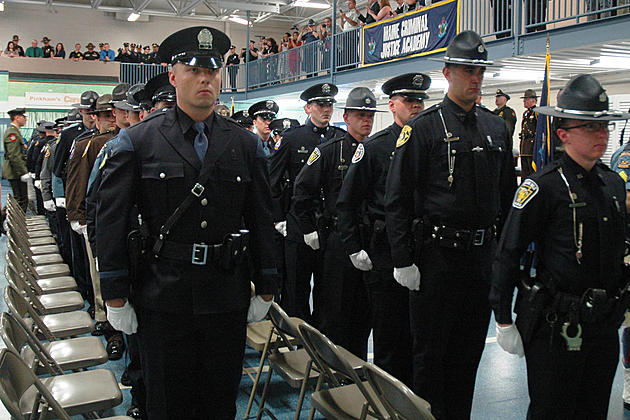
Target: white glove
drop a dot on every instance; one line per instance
(38, 184)
(258, 309)
(361, 260)
(76, 226)
(510, 340)
(312, 240)
(123, 319)
(281, 227)
(408, 277)
(49, 205)
(25, 177)
(60, 202)
(32, 175)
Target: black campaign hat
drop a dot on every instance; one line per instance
(467, 49)
(322, 92)
(131, 103)
(199, 46)
(266, 109)
(501, 93)
(243, 119)
(74, 115)
(361, 99)
(410, 85)
(119, 94)
(159, 88)
(280, 124)
(16, 111)
(88, 100)
(583, 98)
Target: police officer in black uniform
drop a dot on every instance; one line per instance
(528, 132)
(262, 114)
(200, 183)
(244, 120)
(160, 92)
(568, 317)
(361, 213)
(344, 310)
(279, 125)
(451, 178)
(302, 261)
(232, 62)
(504, 111)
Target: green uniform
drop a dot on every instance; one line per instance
(509, 116)
(14, 165)
(527, 136)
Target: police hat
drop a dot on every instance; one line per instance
(154, 45)
(243, 119)
(45, 39)
(100, 44)
(322, 92)
(529, 93)
(60, 122)
(90, 45)
(16, 111)
(131, 103)
(146, 47)
(264, 109)
(74, 115)
(45, 126)
(40, 127)
(222, 110)
(119, 94)
(126, 44)
(88, 99)
(280, 124)
(199, 46)
(103, 104)
(501, 93)
(583, 98)
(409, 85)
(158, 88)
(467, 49)
(361, 99)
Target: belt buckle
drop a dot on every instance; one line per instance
(479, 236)
(197, 190)
(199, 259)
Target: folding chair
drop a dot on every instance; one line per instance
(14, 207)
(32, 249)
(399, 401)
(17, 220)
(42, 259)
(39, 271)
(354, 401)
(24, 395)
(40, 287)
(48, 327)
(71, 354)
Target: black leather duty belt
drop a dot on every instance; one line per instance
(197, 254)
(465, 239)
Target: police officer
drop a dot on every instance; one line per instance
(344, 315)
(130, 104)
(33, 151)
(278, 125)
(244, 120)
(232, 62)
(155, 57)
(361, 213)
(574, 211)
(451, 178)
(160, 92)
(504, 111)
(528, 132)
(119, 95)
(192, 286)
(38, 151)
(14, 166)
(263, 113)
(302, 261)
(90, 54)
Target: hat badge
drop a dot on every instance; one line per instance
(417, 80)
(205, 39)
(326, 88)
(481, 48)
(286, 123)
(245, 114)
(269, 104)
(368, 101)
(603, 97)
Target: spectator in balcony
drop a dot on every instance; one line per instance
(154, 54)
(407, 6)
(76, 55)
(232, 62)
(126, 55)
(284, 42)
(60, 52)
(100, 47)
(384, 12)
(11, 50)
(18, 47)
(293, 55)
(349, 20)
(310, 55)
(48, 50)
(145, 57)
(375, 8)
(325, 32)
(90, 54)
(252, 55)
(34, 51)
(106, 53)
(138, 53)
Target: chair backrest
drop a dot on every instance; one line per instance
(14, 338)
(20, 284)
(20, 307)
(282, 322)
(17, 265)
(399, 401)
(15, 379)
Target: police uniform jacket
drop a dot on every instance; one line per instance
(421, 166)
(509, 116)
(45, 174)
(14, 165)
(528, 132)
(32, 152)
(363, 189)
(322, 177)
(153, 165)
(62, 153)
(290, 156)
(541, 213)
(39, 158)
(90, 55)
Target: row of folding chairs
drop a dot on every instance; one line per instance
(46, 369)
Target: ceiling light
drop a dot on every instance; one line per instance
(239, 20)
(133, 16)
(310, 4)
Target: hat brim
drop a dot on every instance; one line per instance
(125, 106)
(529, 97)
(96, 111)
(81, 106)
(194, 60)
(361, 108)
(330, 100)
(420, 96)
(464, 62)
(611, 115)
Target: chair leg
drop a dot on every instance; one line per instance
(311, 413)
(261, 406)
(261, 365)
(307, 373)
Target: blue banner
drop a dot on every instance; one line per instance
(421, 32)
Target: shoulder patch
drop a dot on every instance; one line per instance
(13, 138)
(277, 145)
(47, 155)
(525, 193)
(314, 156)
(358, 154)
(624, 160)
(404, 136)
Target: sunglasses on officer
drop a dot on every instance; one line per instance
(593, 127)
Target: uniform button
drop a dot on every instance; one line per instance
(204, 202)
(605, 219)
(204, 224)
(238, 179)
(162, 175)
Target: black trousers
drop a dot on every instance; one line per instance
(301, 263)
(233, 72)
(134, 373)
(345, 311)
(20, 192)
(449, 324)
(80, 266)
(63, 229)
(571, 384)
(191, 364)
(39, 202)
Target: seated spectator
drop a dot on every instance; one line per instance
(60, 52)
(107, 54)
(34, 50)
(384, 12)
(125, 55)
(48, 50)
(76, 55)
(18, 47)
(11, 50)
(145, 57)
(90, 54)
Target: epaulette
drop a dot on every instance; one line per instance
(70, 127)
(154, 114)
(552, 167)
(488, 110)
(378, 134)
(85, 135)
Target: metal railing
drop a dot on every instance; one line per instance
(133, 73)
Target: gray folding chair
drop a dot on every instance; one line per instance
(24, 395)
(51, 258)
(40, 287)
(48, 327)
(356, 400)
(22, 243)
(14, 208)
(40, 271)
(71, 354)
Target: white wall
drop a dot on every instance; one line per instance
(71, 25)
